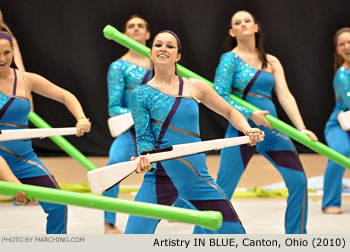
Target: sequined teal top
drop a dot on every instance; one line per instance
(341, 84)
(233, 74)
(3, 99)
(122, 78)
(149, 104)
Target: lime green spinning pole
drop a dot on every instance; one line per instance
(206, 219)
(62, 142)
(113, 34)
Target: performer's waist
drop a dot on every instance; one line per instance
(179, 130)
(241, 91)
(9, 125)
(20, 147)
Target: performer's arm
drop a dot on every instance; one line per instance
(201, 91)
(224, 75)
(116, 89)
(142, 120)
(44, 87)
(286, 98)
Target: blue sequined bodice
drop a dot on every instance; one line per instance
(233, 75)
(149, 105)
(341, 85)
(122, 78)
(3, 99)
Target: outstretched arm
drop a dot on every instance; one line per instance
(44, 87)
(215, 102)
(286, 98)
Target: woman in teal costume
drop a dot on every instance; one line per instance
(123, 76)
(15, 89)
(336, 137)
(248, 72)
(165, 112)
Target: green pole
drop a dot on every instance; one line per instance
(206, 219)
(62, 142)
(112, 33)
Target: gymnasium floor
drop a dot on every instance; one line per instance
(259, 215)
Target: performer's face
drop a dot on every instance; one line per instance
(343, 46)
(243, 24)
(165, 49)
(6, 54)
(136, 28)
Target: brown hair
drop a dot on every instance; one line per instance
(3, 26)
(231, 42)
(338, 60)
(135, 16)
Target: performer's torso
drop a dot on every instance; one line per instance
(260, 92)
(185, 118)
(341, 85)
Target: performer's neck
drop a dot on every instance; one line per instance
(5, 73)
(246, 46)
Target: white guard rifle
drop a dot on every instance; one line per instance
(105, 177)
(15, 134)
(119, 124)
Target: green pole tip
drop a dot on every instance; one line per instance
(211, 219)
(108, 31)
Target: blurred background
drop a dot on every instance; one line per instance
(63, 41)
